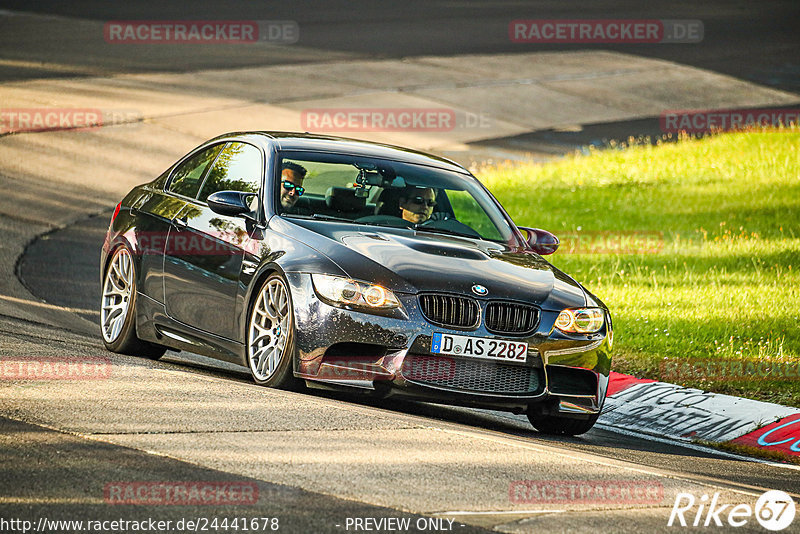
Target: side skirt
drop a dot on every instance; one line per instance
(154, 325)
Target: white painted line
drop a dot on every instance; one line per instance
(28, 501)
(48, 306)
(509, 512)
(55, 67)
(593, 458)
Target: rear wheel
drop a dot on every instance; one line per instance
(561, 426)
(270, 335)
(118, 309)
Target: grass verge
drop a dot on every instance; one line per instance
(746, 450)
(694, 246)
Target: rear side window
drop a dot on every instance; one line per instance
(186, 178)
(238, 168)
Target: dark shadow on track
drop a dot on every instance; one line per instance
(82, 479)
(62, 267)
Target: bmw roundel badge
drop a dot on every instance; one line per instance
(479, 290)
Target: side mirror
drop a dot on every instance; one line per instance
(231, 203)
(540, 241)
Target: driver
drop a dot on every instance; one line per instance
(292, 176)
(417, 203)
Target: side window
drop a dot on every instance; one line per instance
(469, 212)
(186, 178)
(238, 168)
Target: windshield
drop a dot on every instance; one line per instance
(387, 193)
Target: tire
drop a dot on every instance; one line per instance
(118, 309)
(561, 426)
(270, 335)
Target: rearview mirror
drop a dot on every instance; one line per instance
(231, 203)
(540, 241)
(365, 180)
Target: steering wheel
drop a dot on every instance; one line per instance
(452, 224)
(389, 220)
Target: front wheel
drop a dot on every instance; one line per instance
(118, 309)
(561, 426)
(270, 335)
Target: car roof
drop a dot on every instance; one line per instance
(342, 145)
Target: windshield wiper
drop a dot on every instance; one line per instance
(317, 217)
(435, 230)
(415, 227)
(321, 217)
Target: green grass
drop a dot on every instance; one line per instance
(725, 284)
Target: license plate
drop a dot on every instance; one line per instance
(479, 347)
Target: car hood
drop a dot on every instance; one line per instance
(409, 261)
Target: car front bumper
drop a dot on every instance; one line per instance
(389, 355)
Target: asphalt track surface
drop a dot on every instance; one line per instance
(756, 41)
(187, 418)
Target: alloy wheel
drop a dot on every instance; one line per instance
(270, 326)
(117, 291)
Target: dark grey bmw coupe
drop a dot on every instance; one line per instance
(346, 264)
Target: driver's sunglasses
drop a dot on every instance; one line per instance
(422, 200)
(297, 189)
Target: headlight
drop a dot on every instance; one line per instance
(580, 320)
(345, 291)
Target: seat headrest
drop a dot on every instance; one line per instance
(344, 199)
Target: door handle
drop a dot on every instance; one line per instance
(140, 202)
(180, 222)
